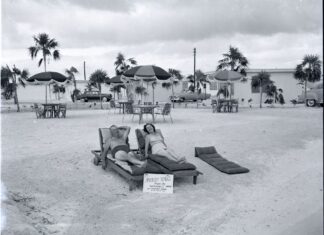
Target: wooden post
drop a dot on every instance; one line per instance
(194, 51)
(84, 71)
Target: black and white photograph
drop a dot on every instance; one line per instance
(161, 117)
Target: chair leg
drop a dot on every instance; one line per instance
(195, 179)
(171, 118)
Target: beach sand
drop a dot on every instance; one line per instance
(52, 187)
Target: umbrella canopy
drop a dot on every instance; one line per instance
(116, 80)
(48, 78)
(147, 72)
(227, 76)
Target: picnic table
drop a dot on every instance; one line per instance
(146, 109)
(52, 110)
(225, 105)
(123, 104)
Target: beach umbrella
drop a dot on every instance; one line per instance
(146, 73)
(47, 78)
(227, 77)
(116, 80)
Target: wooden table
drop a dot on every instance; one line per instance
(146, 109)
(53, 109)
(226, 105)
(123, 103)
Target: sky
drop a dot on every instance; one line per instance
(270, 33)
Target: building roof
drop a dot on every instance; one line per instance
(270, 70)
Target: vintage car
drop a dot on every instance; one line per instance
(93, 96)
(189, 96)
(314, 95)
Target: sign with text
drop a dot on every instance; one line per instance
(158, 183)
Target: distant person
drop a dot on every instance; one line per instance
(158, 145)
(119, 148)
(280, 97)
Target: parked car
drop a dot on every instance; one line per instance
(314, 95)
(189, 96)
(93, 96)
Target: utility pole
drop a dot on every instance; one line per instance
(84, 72)
(194, 51)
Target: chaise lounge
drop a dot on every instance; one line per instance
(165, 165)
(132, 173)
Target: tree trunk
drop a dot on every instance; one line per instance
(172, 94)
(16, 99)
(305, 91)
(74, 94)
(100, 96)
(260, 94)
(153, 94)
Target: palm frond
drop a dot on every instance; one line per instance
(40, 62)
(56, 55)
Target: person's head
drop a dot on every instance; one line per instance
(280, 90)
(149, 128)
(114, 131)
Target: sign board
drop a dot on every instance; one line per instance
(158, 183)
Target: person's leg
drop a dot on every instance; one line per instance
(130, 157)
(170, 155)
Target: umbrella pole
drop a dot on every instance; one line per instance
(46, 94)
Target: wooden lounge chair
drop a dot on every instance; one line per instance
(164, 164)
(132, 173)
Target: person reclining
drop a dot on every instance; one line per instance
(119, 148)
(158, 146)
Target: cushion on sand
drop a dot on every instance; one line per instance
(210, 155)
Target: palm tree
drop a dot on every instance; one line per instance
(140, 90)
(260, 80)
(234, 60)
(272, 92)
(5, 83)
(122, 65)
(117, 89)
(70, 72)
(16, 76)
(44, 44)
(176, 76)
(308, 71)
(97, 78)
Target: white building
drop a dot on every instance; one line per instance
(283, 78)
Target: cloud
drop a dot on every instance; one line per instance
(89, 23)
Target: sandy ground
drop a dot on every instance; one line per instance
(52, 187)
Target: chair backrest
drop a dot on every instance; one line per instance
(146, 110)
(129, 108)
(140, 136)
(213, 102)
(166, 109)
(62, 106)
(105, 135)
(112, 104)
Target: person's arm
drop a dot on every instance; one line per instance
(126, 133)
(147, 143)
